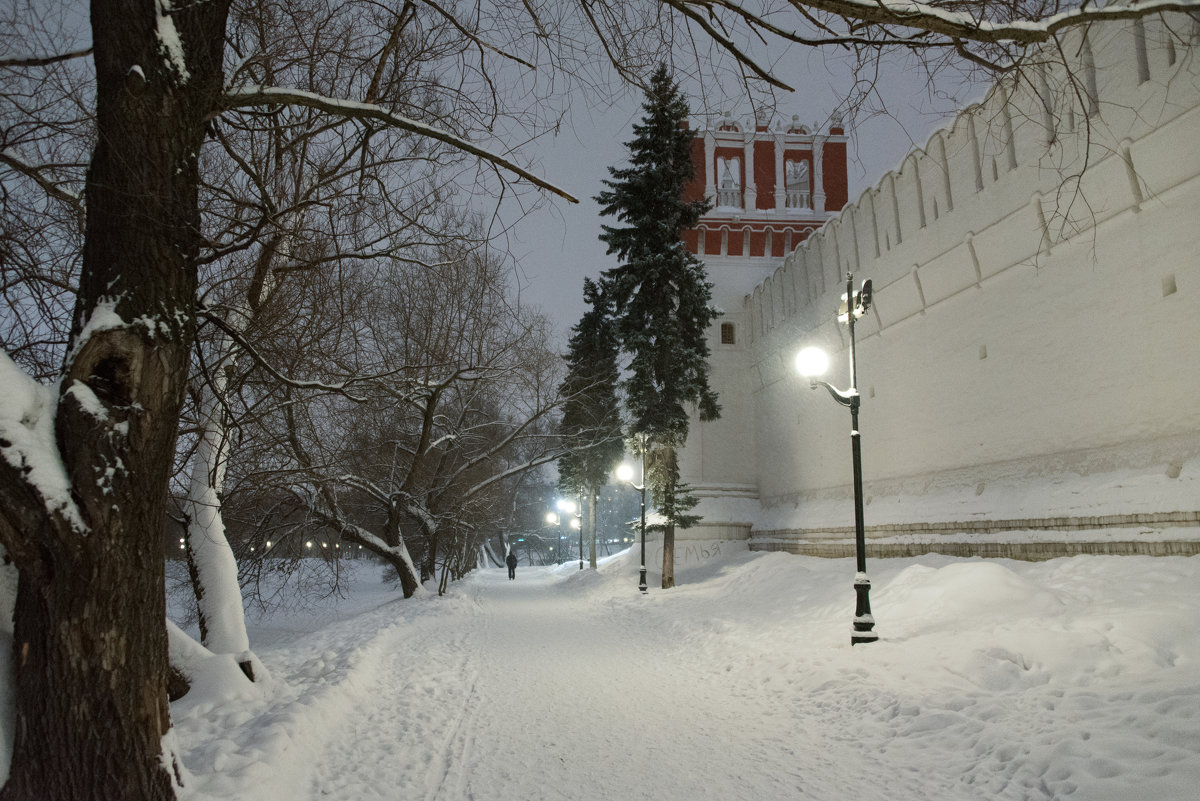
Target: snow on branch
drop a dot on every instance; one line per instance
(961, 24)
(9, 158)
(168, 39)
(43, 61)
(358, 534)
(254, 96)
(365, 485)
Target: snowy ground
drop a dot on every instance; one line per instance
(1076, 678)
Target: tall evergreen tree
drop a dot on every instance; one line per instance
(591, 425)
(660, 296)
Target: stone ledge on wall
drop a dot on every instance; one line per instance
(1024, 551)
(1154, 534)
(1083, 523)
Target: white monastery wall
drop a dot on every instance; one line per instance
(719, 461)
(1032, 353)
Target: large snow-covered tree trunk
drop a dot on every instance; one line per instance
(83, 502)
(211, 560)
(397, 551)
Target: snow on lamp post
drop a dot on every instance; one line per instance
(625, 473)
(811, 363)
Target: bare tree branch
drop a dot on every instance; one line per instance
(34, 173)
(44, 61)
(958, 24)
(254, 96)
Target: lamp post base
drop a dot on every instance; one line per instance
(642, 580)
(859, 637)
(864, 621)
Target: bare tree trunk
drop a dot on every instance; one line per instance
(668, 566)
(429, 567)
(592, 528)
(90, 645)
(409, 582)
(671, 471)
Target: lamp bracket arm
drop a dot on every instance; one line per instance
(848, 397)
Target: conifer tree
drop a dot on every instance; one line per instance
(660, 296)
(591, 424)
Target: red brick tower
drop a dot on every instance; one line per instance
(771, 186)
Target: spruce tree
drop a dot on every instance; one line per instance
(591, 424)
(661, 296)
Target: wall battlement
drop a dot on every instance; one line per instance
(1013, 156)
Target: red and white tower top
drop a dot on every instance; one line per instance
(770, 185)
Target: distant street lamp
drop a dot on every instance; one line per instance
(625, 473)
(552, 519)
(810, 363)
(568, 506)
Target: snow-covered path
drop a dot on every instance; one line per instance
(1077, 678)
(538, 695)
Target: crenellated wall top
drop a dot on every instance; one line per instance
(1046, 156)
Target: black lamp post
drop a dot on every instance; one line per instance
(569, 507)
(579, 518)
(625, 473)
(812, 362)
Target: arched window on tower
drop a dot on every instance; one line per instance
(796, 181)
(729, 182)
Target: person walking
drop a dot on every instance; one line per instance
(511, 561)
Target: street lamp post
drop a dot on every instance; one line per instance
(553, 520)
(625, 473)
(812, 362)
(577, 522)
(568, 506)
